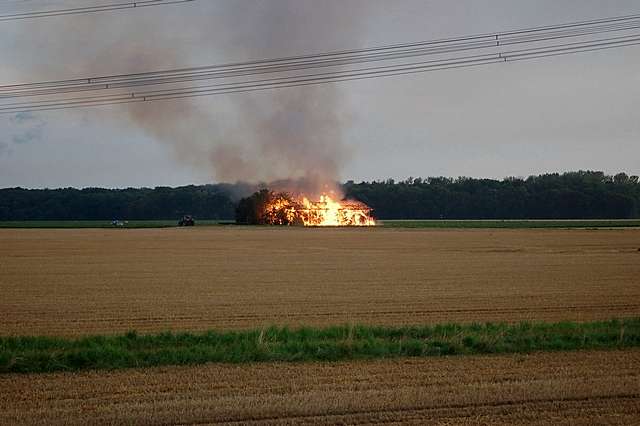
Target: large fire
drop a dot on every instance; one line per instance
(285, 210)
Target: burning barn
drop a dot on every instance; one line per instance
(269, 208)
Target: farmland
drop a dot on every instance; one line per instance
(562, 388)
(93, 281)
(368, 299)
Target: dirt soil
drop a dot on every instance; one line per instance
(84, 281)
(546, 388)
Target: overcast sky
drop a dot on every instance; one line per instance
(516, 119)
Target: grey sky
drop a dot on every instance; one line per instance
(558, 114)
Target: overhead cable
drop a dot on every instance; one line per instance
(333, 66)
(88, 9)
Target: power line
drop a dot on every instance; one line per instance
(529, 35)
(323, 78)
(88, 9)
(322, 60)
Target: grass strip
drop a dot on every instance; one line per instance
(346, 342)
(513, 224)
(100, 224)
(437, 224)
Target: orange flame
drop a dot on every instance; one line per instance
(326, 212)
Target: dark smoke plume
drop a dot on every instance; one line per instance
(292, 136)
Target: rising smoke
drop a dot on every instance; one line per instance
(294, 136)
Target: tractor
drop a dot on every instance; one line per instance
(187, 220)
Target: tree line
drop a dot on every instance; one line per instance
(573, 195)
(205, 202)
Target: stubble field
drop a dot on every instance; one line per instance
(565, 388)
(92, 281)
(77, 282)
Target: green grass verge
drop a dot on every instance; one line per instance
(512, 224)
(54, 224)
(47, 354)
(443, 224)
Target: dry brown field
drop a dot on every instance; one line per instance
(74, 282)
(552, 389)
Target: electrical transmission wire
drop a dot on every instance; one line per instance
(287, 65)
(313, 79)
(286, 72)
(338, 58)
(88, 9)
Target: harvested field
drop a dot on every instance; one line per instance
(77, 282)
(545, 388)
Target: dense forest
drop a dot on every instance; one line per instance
(205, 202)
(575, 195)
